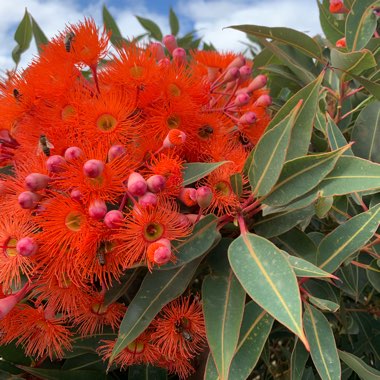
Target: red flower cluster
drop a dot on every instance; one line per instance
(97, 143)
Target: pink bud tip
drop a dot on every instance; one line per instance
(28, 200)
(175, 137)
(97, 209)
(241, 99)
(7, 304)
(26, 247)
(179, 56)
(73, 153)
(113, 219)
(162, 255)
(93, 168)
(156, 183)
(259, 82)
(238, 62)
(115, 151)
(245, 73)
(148, 199)
(76, 195)
(263, 101)
(170, 43)
(137, 185)
(157, 50)
(204, 196)
(55, 164)
(248, 118)
(36, 181)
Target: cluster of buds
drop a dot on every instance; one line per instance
(96, 185)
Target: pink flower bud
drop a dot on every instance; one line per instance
(163, 63)
(248, 118)
(238, 62)
(241, 100)
(204, 196)
(148, 199)
(259, 82)
(188, 196)
(73, 153)
(36, 181)
(97, 209)
(156, 183)
(245, 73)
(7, 304)
(263, 101)
(93, 168)
(137, 185)
(26, 246)
(175, 137)
(76, 195)
(113, 219)
(179, 56)
(157, 50)
(170, 43)
(231, 75)
(115, 151)
(55, 164)
(162, 255)
(243, 90)
(28, 200)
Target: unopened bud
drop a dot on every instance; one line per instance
(188, 196)
(137, 185)
(36, 181)
(93, 168)
(148, 199)
(259, 82)
(238, 62)
(231, 75)
(170, 43)
(7, 304)
(73, 153)
(159, 252)
(28, 200)
(157, 50)
(97, 209)
(179, 56)
(248, 118)
(245, 73)
(241, 100)
(113, 219)
(163, 63)
(115, 151)
(175, 137)
(76, 195)
(156, 183)
(26, 246)
(263, 101)
(204, 196)
(55, 164)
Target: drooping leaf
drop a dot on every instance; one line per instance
(197, 170)
(335, 136)
(157, 289)
(269, 155)
(211, 372)
(353, 280)
(58, 374)
(23, 37)
(322, 304)
(268, 278)
(298, 360)
(147, 372)
(301, 133)
(39, 35)
(236, 181)
(174, 23)
(254, 332)
(111, 26)
(87, 361)
(301, 175)
(223, 306)
(366, 133)
(323, 349)
(364, 371)
(360, 24)
(346, 239)
(370, 85)
(151, 27)
(354, 62)
(331, 26)
(373, 274)
(200, 241)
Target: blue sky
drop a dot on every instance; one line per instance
(209, 17)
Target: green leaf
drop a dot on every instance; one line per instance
(111, 26)
(88, 361)
(58, 374)
(151, 27)
(298, 360)
(300, 175)
(174, 23)
(236, 181)
(360, 24)
(157, 289)
(366, 133)
(373, 274)
(223, 306)
(202, 239)
(211, 372)
(322, 344)
(335, 136)
(346, 239)
(23, 37)
(288, 36)
(268, 278)
(277, 224)
(323, 206)
(322, 304)
(197, 170)
(370, 85)
(364, 371)
(39, 35)
(301, 133)
(354, 62)
(254, 332)
(146, 372)
(331, 26)
(351, 174)
(269, 155)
